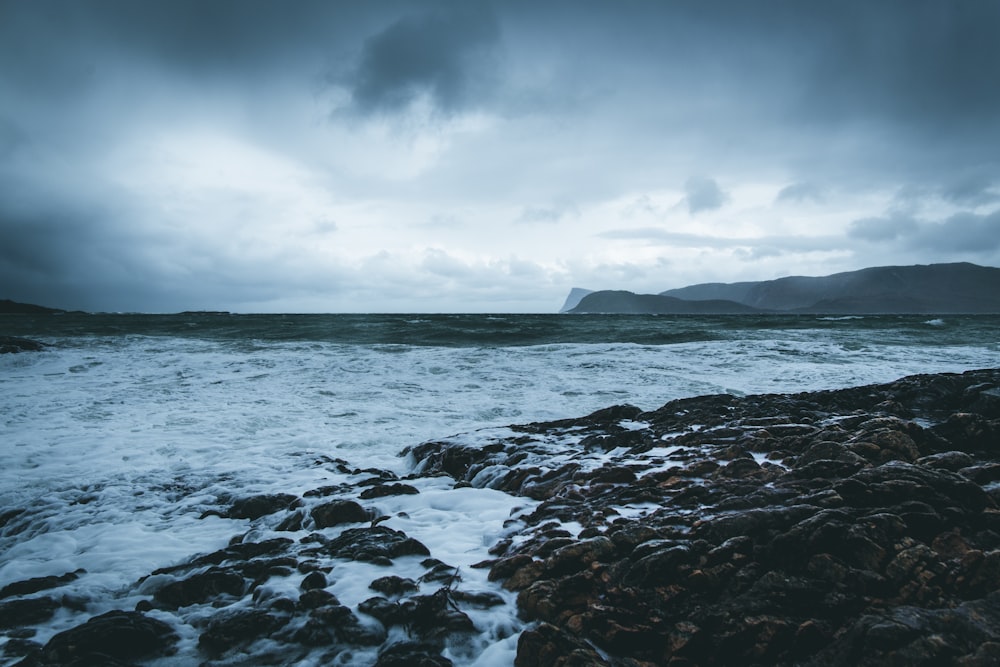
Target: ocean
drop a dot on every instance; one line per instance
(122, 436)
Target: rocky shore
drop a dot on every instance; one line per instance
(850, 527)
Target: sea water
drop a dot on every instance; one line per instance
(120, 435)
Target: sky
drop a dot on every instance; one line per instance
(472, 156)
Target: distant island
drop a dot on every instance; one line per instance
(920, 289)
(13, 307)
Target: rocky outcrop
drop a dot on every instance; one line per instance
(13, 345)
(858, 526)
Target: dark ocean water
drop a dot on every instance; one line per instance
(510, 330)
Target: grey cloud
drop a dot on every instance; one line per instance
(546, 214)
(703, 194)
(967, 233)
(801, 192)
(446, 54)
(972, 190)
(964, 232)
(882, 229)
(763, 245)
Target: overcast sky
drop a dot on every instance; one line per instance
(424, 156)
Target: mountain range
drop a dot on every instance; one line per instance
(920, 289)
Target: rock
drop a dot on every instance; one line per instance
(13, 345)
(411, 654)
(116, 637)
(548, 646)
(384, 490)
(338, 512)
(346, 626)
(255, 507)
(317, 597)
(200, 588)
(313, 580)
(14, 613)
(434, 616)
(36, 584)
(393, 585)
(231, 628)
(377, 544)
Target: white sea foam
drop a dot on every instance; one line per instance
(114, 447)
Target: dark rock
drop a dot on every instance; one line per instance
(393, 585)
(548, 646)
(378, 544)
(292, 522)
(411, 654)
(29, 611)
(13, 345)
(36, 584)
(235, 552)
(113, 638)
(484, 600)
(338, 512)
(434, 616)
(317, 597)
(314, 580)
(200, 588)
(242, 626)
(384, 490)
(346, 626)
(255, 507)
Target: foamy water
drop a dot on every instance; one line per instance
(116, 445)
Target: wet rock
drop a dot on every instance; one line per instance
(411, 654)
(384, 490)
(378, 544)
(774, 527)
(483, 600)
(15, 613)
(393, 585)
(314, 580)
(117, 637)
(434, 616)
(201, 587)
(347, 628)
(317, 597)
(255, 507)
(338, 512)
(14, 344)
(36, 584)
(387, 612)
(548, 646)
(228, 629)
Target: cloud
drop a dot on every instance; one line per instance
(546, 214)
(801, 193)
(963, 233)
(882, 229)
(446, 55)
(703, 194)
(975, 189)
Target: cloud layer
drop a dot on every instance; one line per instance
(477, 156)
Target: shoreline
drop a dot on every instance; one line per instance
(829, 527)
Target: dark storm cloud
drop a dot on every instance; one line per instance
(703, 194)
(445, 54)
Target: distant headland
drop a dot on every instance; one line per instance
(920, 289)
(8, 306)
